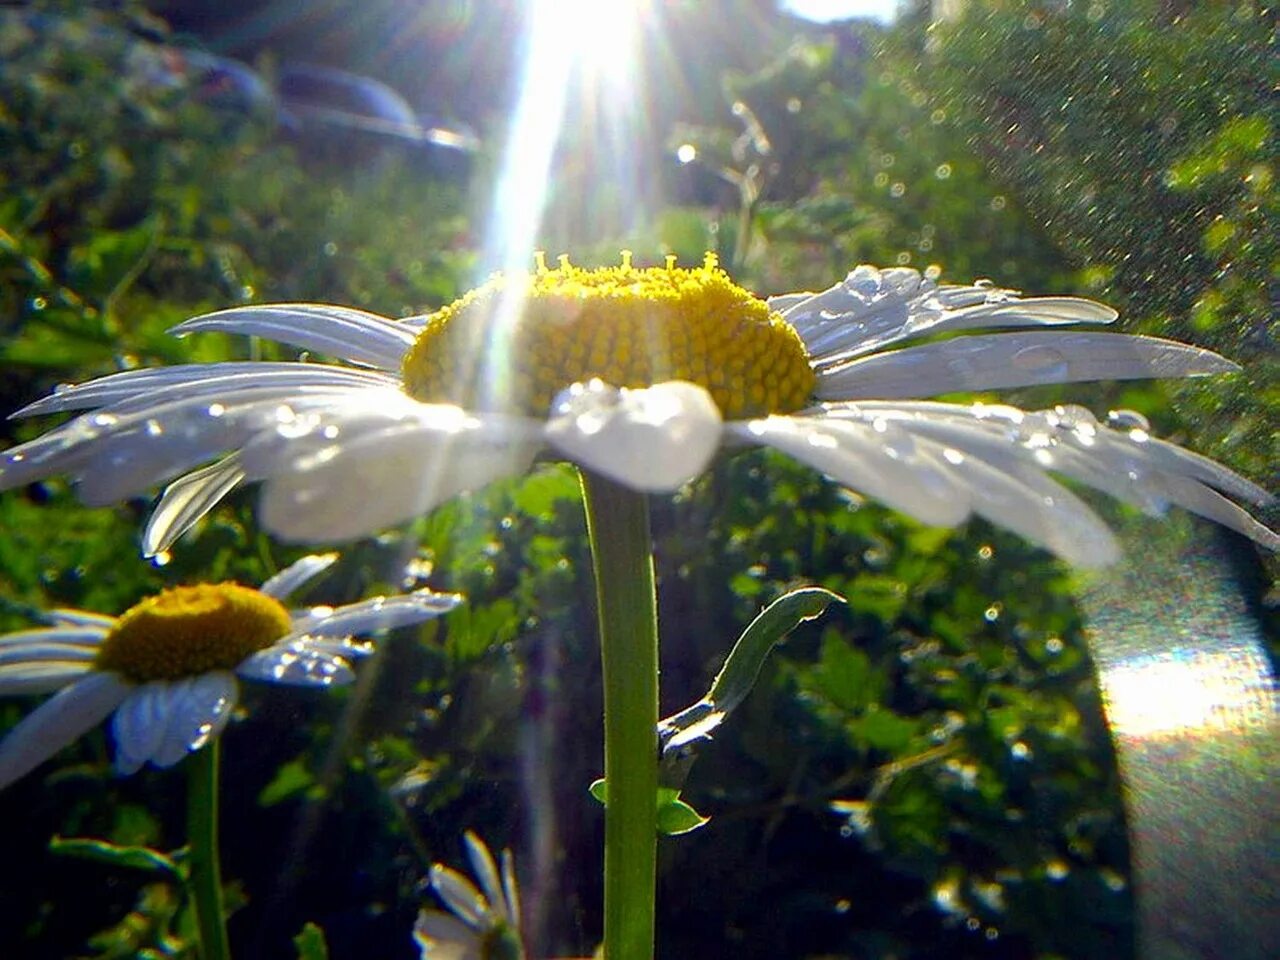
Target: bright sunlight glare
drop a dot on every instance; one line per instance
(592, 41)
(1197, 692)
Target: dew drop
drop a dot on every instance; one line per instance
(1044, 362)
(1127, 420)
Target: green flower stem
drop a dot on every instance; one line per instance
(618, 525)
(202, 838)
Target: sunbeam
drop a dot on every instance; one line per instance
(593, 44)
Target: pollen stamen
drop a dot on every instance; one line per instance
(628, 326)
(187, 631)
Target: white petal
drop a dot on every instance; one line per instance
(197, 709)
(875, 457)
(42, 677)
(461, 896)
(1194, 496)
(1011, 313)
(1130, 465)
(511, 890)
(138, 726)
(444, 937)
(1003, 360)
(82, 618)
(116, 455)
(354, 486)
(1042, 511)
(188, 499)
(297, 574)
(486, 871)
(376, 613)
(353, 335)
(297, 664)
(57, 722)
(653, 439)
(36, 651)
(341, 648)
(129, 390)
(80, 635)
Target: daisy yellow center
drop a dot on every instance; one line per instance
(514, 343)
(187, 631)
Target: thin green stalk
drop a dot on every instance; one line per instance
(618, 525)
(202, 839)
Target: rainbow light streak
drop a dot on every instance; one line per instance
(1192, 691)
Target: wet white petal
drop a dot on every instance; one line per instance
(188, 499)
(139, 725)
(353, 335)
(296, 664)
(461, 896)
(376, 613)
(130, 390)
(356, 485)
(116, 455)
(1146, 473)
(873, 457)
(653, 439)
(297, 574)
(342, 648)
(1003, 360)
(42, 677)
(57, 722)
(925, 318)
(195, 710)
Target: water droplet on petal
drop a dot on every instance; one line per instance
(1044, 362)
(1127, 420)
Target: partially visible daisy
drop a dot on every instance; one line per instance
(482, 923)
(642, 375)
(167, 667)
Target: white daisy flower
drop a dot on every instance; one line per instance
(642, 375)
(167, 667)
(482, 924)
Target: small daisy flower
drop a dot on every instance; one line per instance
(483, 923)
(167, 667)
(642, 375)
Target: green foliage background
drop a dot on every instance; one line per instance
(926, 773)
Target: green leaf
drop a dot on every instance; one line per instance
(538, 495)
(742, 666)
(311, 944)
(292, 778)
(134, 858)
(885, 730)
(843, 675)
(675, 817)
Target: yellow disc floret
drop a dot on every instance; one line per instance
(187, 631)
(514, 343)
